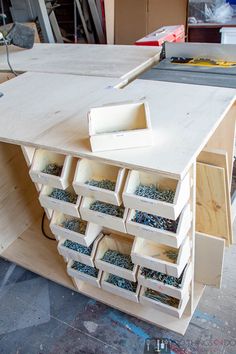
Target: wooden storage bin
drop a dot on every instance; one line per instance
(171, 239)
(44, 157)
(170, 290)
(91, 232)
(59, 205)
(153, 206)
(120, 126)
(84, 277)
(176, 312)
(89, 169)
(109, 221)
(120, 244)
(77, 256)
(151, 255)
(116, 290)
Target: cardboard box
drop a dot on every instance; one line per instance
(135, 19)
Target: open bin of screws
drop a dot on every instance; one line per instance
(121, 286)
(99, 181)
(77, 252)
(159, 229)
(156, 194)
(74, 229)
(163, 302)
(104, 214)
(64, 201)
(113, 256)
(52, 169)
(159, 257)
(166, 284)
(84, 272)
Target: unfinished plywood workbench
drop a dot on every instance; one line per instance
(193, 133)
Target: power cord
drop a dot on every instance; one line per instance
(43, 230)
(8, 54)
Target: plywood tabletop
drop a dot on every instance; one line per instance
(97, 60)
(50, 110)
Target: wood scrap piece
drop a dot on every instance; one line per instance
(89, 36)
(218, 157)
(211, 202)
(209, 260)
(97, 21)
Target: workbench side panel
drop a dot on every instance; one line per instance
(19, 206)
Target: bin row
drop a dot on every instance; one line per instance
(144, 191)
(108, 256)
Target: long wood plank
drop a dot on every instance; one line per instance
(79, 59)
(181, 128)
(218, 157)
(211, 202)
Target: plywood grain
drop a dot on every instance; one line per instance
(211, 202)
(79, 59)
(51, 111)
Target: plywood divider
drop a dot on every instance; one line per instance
(211, 202)
(219, 158)
(19, 206)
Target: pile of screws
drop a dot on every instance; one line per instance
(83, 268)
(118, 259)
(53, 169)
(76, 225)
(78, 248)
(122, 283)
(155, 221)
(165, 299)
(69, 197)
(164, 278)
(106, 208)
(152, 192)
(104, 184)
(171, 254)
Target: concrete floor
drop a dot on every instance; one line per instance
(39, 316)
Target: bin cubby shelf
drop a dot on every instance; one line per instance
(90, 170)
(181, 130)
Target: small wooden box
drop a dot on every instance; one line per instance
(176, 312)
(109, 221)
(170, 290)
(77, 256)
(154, 206)
(44, 157)
(161, 236)
(91, 232)
(152, 255)
(82, 276)
(89, 169)
(116, 290)
(120, 244)
(59, 205)
(120, 126)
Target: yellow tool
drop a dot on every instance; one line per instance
(203, 62)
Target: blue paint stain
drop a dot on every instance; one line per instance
(210, 318)
(129, 325)
(91, 302)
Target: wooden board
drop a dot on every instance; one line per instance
(217, 157)
(5, 76)
(19, 206)
(209, 260)
(94, 60)
(60, 123)
(110, 20)
(211, 204)
(34, 252)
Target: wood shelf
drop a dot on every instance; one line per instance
(38, 254)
